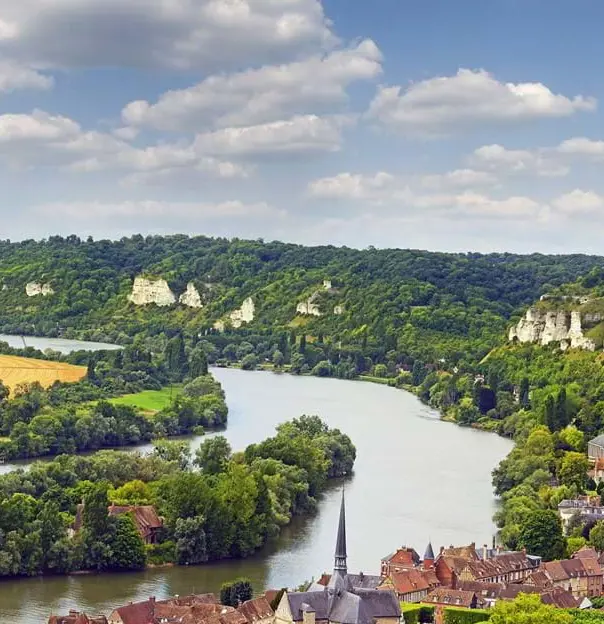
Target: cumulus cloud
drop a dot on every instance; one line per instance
(183, 34)
(581, 146)
(260, 95)
(444, 104)
(300, 135)
(497, 158)
(41, 139)
(154, 209)
(399, 193)
(459, 178)
(15, 76)
(579, 202)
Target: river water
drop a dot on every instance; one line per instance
(62, 345)
(416, 478)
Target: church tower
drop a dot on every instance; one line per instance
(339, 579)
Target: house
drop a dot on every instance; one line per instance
(513, 567)
(148, 523)
(595, 448)
(445, 596)
(257, 611)
(75, 617)
(339, 602)
(582, 577)
(409, 585)
(488, 594)
(403, 559)
(195, 609)
(587, 508)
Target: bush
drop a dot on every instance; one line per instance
(465, 616)
(158, 554)
(417, 614)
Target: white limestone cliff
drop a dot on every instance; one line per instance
(544, 327)
(245, 314)
(146, 291)
(33, 289)
(338, 310)
(191, 297)
(308, 308)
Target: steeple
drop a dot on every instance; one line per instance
(339, 581)
(429, 557)
(340, 555)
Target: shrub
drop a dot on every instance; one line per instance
(464, 616)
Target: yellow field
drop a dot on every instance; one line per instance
(15, 370)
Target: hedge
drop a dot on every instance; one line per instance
(464, 616)
(417, 613)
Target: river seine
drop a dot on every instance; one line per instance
(416, 478)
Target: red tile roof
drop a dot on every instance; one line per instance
(572, 568)
(451, 597)
(408, 582)
(404, 557)
(255, 610)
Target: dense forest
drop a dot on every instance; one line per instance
(216, 505)
(432, 323)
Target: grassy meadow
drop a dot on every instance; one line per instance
(149, 400)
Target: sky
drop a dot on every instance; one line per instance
(466, 125)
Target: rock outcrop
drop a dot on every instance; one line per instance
(191, 297)
(546, 326)
(338, 310)
(308, 307)
(33, 289)
(245, 314)
(146, 291)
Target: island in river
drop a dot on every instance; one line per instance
(416, 478)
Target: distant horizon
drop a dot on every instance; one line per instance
(230, 239)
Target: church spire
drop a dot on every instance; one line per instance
(340, 555)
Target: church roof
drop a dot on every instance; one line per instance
(429, 554)
(340, 602)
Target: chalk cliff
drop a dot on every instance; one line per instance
(191, 297)
(146, 291)
(546, 326)
(33, 289)
(245, 314)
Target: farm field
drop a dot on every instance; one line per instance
(15, 370)
(149, 400)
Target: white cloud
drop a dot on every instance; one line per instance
(260, 95)
(579, 202)
(41, 139)
(188, 34)
(299, 135)
(398, 193)
(459, 178)
(499, 159)
(353, 186)
(15, 76)
(444, 104)
(155, 209)
(581, 146)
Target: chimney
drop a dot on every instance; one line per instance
(442, 550)
(484, 552)
(308, 615)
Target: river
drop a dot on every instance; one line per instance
(416, 478)
(62, 345)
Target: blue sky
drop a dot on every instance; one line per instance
(468, 125)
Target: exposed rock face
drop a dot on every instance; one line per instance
(191, 297)
(245, 314)
(560, 326)
(146, 291)
(338, 310)
(308, 308)
(33, 289)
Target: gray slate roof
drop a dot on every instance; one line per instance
(362, 606)
(599, 440)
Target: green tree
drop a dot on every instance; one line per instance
(541, 535)
(596, 536)
(190, 541)
(525, 402)
(177, 451)
(278, 358)
(198, 363)
(561, 410)
(234, 593)
(127, 546)
(213, 455)
(573, 470)
(302, 345)
(527, 609)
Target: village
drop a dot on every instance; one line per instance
(466, 577)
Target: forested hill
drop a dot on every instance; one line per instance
(429, 304)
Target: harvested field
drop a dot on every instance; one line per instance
(15, 370)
